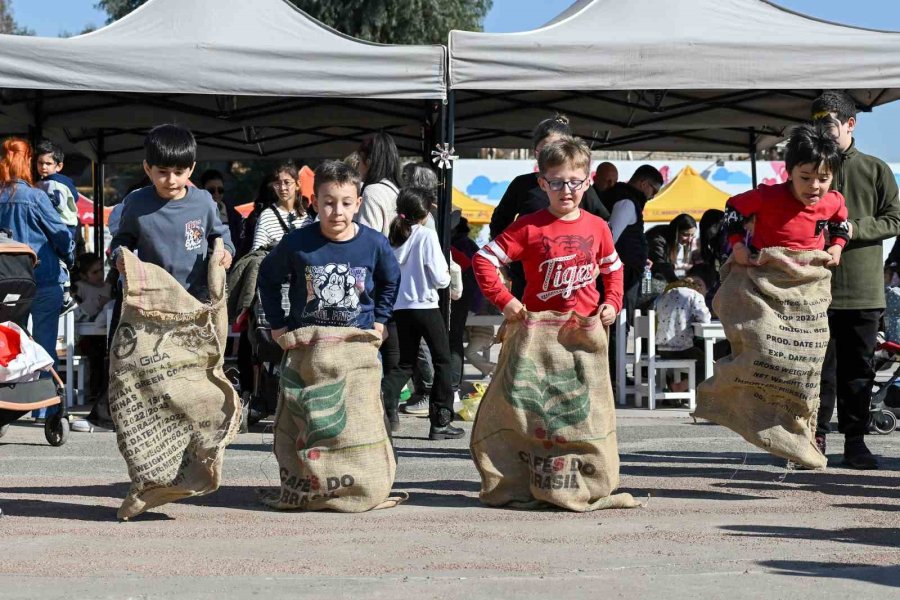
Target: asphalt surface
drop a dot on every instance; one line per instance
(722, 520)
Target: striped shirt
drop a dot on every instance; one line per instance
(269, 230)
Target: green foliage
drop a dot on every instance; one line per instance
(559, 399)
(383, 21)
(321, 407)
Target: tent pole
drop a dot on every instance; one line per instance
(753, 156)
(445, 204)
(99, 177)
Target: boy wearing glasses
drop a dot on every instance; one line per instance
(563, 248)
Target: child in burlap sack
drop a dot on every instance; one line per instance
(331, 435)
(545, 429)
(780, 367)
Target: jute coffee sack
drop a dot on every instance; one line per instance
(331, 442)
(775, 317)
(173, 408)
(545, 432)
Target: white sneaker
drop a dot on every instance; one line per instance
(82, 425)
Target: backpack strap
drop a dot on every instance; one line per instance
(280, 219)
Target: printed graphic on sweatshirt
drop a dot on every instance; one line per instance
(193, 234)
(333, 292)
(569, 265)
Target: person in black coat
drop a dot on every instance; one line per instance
(524, 196)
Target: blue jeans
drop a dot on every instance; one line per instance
(45, 309)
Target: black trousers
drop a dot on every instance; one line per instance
(412, 326)
(459, 312)
(847, 374)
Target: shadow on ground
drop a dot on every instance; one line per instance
(887, 575)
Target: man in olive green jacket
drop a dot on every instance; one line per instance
(857, 286)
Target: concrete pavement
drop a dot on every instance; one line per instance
(723, 520)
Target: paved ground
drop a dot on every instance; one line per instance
(723, 520)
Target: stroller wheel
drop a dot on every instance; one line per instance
(3, 430)
(883, 421)
(56, 430)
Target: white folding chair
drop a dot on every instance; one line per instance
(623, 358)
(645, 337)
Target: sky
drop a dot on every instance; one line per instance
(877, 132)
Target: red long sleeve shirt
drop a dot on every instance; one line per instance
(783, 221)
(560, 259)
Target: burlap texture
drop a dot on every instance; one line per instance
(545, 432)
(331, 442)
(174, 409)
(775, 317)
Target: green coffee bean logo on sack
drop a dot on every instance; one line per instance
(321, 408)
(560, 399)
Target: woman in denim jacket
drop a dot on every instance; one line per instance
(27, 213)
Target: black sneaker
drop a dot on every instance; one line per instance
(447, 432)
(858, 456)
(393, 420)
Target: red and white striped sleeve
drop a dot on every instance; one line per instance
(610, 269)
(504, 249)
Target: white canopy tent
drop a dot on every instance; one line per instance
(255, 78)
(711, 75)
(251, 79)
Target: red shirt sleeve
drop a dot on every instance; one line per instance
(460, 258)
(610, 269)
(747, 205)
(504, 249)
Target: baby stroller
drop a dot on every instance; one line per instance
(885, 406)
(17, 291)
(262, 401)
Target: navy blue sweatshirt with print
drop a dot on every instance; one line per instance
(342, 284)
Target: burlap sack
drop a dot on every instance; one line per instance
(775, 317)
(545, 432)
(172, 406)
(331, 442)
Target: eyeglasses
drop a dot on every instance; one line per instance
(215, 190)
(286, 184)
(557, 185)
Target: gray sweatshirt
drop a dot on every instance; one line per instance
(173, 234)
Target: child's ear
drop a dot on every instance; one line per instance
(191, 170)
(543, 184)
(147, 169)
(59, 166)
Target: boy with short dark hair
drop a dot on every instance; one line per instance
(170, 224)
(342, 273)
(798, 213)
(857, 288)
(562, 248)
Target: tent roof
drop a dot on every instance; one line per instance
(656, 74)
(687, 193)
(475, 212)
(251, 78)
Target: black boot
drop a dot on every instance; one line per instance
(857, 455)
(441, 428)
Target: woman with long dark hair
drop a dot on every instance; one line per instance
(379, 168)
(29, 215)
(286, 212)
(670, 247)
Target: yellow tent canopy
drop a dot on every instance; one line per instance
(477, 213)
(687, 193)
